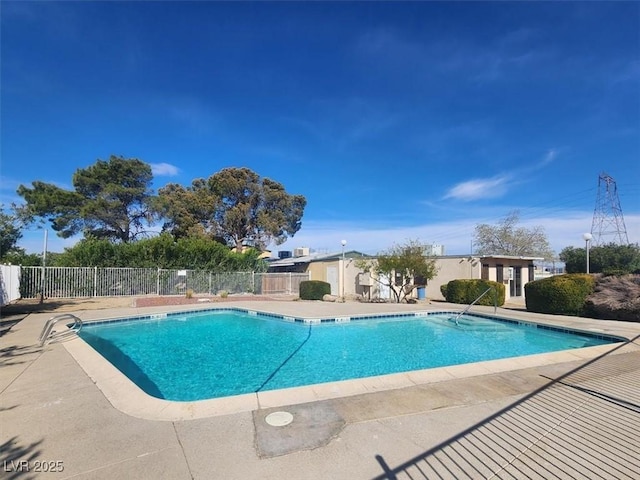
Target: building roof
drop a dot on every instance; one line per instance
(505, 257)
(315, 257)
(511, 257)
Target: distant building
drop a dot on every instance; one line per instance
(434, 250)
(301, 252)
(545, 268)
(345, 277)
(327, 267)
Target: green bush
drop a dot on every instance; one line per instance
(314, 289)
(466, 291)
(560, 294)
(163, 251)
(456, 291)
(614, 272)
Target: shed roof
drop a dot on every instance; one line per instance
(315, 257)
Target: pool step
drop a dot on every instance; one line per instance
(470, 324)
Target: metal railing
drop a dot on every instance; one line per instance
(495, 304)
(82, 282)
(49, 335)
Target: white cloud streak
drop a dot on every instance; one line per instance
(164, 169)
(497, 186)
(549, 157)
(479, 188)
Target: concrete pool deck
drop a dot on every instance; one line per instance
(572, 414)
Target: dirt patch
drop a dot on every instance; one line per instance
(615, 298)
(162, 301)
(31, 305)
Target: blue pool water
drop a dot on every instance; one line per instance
(217, 353)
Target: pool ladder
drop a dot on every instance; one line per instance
(495, 304)
(49, 335)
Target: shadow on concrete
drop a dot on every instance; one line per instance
(582, 424)
(18, 461)
(11, 355)
(27, 306)
(6, 325)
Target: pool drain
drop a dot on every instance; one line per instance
(279, 419)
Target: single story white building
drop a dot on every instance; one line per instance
(346, 279)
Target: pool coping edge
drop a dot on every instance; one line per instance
(128, 398)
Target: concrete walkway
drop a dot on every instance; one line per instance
(572, 414)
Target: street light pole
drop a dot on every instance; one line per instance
(343, 243)
(587, 238)
(44, 266)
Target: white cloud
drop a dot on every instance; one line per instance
(563, 230)
(497, 186)
(326, 237)
(164, 169)
(549, 157)
(479, 188)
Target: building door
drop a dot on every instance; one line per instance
(383, 287)
(516, 282)
(332, 279)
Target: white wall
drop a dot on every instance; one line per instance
(9, 283)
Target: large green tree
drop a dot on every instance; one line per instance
(236, 205)
(506, 238)
(10, 232)
(188, 211)
(109, 200)
(402, 267)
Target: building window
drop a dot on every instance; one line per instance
(485, 271)
(500, 273)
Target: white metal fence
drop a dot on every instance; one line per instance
(77, 282)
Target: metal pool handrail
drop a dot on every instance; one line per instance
(495, 304)
(49, 335)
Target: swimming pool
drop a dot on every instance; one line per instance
(222, 352)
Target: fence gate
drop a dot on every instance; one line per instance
(283, 283)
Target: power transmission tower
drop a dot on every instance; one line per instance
(608, 223)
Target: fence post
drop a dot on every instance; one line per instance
(95, 281)
(253, 282)
(42, 282)
(158, 282)
(210, 283)
(289, 292)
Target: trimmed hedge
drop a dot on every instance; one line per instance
(560, 294)
(466, 291)
(314, 289)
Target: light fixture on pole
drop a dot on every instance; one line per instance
(587, 239)
(343, 243)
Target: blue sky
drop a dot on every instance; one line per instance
(395, 120)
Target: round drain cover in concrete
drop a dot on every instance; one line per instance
(279, 419)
